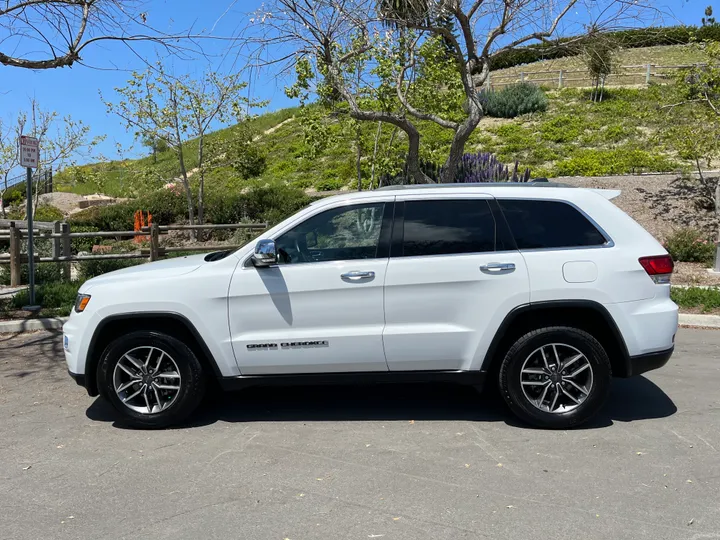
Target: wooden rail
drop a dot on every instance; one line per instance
(61, 235)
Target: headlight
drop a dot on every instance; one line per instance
(81, 302)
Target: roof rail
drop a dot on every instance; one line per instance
(533, 183)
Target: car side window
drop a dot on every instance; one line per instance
(345, 233)
(443, 227)
(549, 224)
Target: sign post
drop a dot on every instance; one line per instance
(29, 157)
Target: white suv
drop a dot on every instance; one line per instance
(547, 290)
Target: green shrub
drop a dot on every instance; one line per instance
(91, 269)
(302, 183)
(330, 184)
(707, 299)
(249, 160)
(563, 128)
(166, 206)
(514, 100)
(586, 162)
(14, 195)
(116, 217)
(46, 212)
(50, 295)
(269, 203)
(690, 245)
(82, 244)
(44, 273)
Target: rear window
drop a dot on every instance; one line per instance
(549, 224)
(448, 226)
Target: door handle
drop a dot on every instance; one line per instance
(357, 276)
(496, 268)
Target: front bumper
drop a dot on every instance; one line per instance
(79, 378)
(647, 362)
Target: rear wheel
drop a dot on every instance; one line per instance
(152, 379)
(556, 377)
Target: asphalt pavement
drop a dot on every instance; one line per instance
(411, 462)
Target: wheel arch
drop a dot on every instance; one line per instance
(586, 315)
(173, 324)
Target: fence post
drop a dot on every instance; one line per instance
(154, 242)
(647, 74)
(66, 250)
(522, 76)
(560, 79)
(15, 266)
(56, 242)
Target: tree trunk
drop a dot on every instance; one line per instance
(201, 187)
(375, 149)
(358, 149)
(457, 148)
(413, 157)
(186, 185)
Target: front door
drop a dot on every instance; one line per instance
(321, 308)
(452, 278)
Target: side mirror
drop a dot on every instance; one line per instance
(265, 253)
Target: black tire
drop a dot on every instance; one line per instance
(186, 399)
(512, 390)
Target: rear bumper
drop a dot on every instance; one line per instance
(647, 362)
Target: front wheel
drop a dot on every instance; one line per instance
(556, 377)
(152, 379)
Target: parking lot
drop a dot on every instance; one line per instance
(411, 462)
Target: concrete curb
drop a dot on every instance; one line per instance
(30, 325)
(707, 321)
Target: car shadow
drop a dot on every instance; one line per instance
(629, 400)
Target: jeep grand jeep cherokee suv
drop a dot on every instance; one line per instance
(545, 291)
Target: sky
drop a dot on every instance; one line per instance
(74, 91)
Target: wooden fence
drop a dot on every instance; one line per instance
(562, 78)
(61, 235)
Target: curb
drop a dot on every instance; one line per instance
(706, 321)
(30, 325)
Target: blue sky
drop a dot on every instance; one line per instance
(74, 91)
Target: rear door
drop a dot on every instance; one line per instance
(453, 275)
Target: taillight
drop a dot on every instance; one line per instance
(659, 267)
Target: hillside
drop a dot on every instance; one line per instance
(627, 133)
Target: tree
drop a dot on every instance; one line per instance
(44, 34)
(155, 144)
(598, 55)
(175, 110)
(8, 158)
(62, 141)
(708, 20)
(407, 43)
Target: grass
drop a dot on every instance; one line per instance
(707, 300)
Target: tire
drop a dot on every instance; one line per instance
(162, 401)
(524, 376)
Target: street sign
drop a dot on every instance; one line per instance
(29, 152)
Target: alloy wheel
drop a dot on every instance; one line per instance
(556, 378)
(147, 380)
